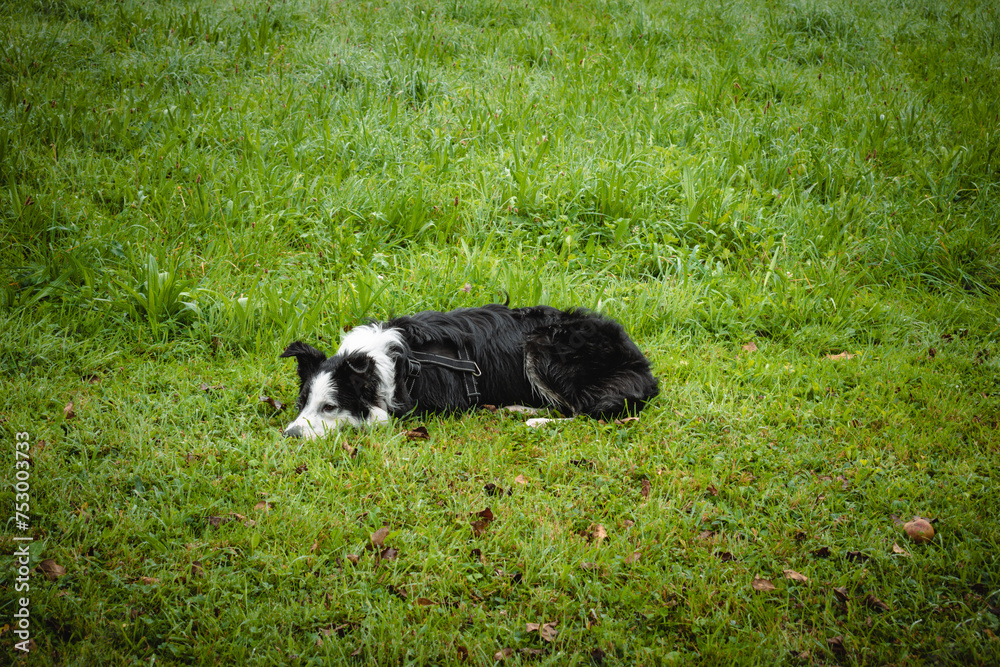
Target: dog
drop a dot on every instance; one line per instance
(575, 361)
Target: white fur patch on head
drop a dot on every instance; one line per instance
(377, 343)
(321, 413)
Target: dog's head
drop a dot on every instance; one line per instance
(342, 390)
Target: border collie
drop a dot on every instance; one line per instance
(575, 361)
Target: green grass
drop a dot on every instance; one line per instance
(187, 187)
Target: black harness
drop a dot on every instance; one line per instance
(463, 365)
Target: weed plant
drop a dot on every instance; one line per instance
(791, 205)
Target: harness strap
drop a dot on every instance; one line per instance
(463, 364)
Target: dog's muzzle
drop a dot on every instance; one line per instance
(292, 432)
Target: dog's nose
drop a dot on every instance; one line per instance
(293, 432)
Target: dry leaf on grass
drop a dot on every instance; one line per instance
(503, 654)
(597, 533)
(51, 569)
(418, 433)
(843, 356)
(149, 581)
(68, 411)
(646, 488)
(750, 347)
(795, 576)
(263, 505)
(485, 518)
(896, 549)
(873, 602)
(378, 537)
(520, 479)
(762, 585)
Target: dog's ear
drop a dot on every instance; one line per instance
(359, 364)
(309, 358)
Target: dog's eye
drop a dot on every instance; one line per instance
(329, 407)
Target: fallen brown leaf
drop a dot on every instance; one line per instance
(196, 569)
(388, 553)
(548, 632)
(301, 469)
(920, 531)
(625, 421)
(724, 556)
(493, 490)
(503, 654)
(51, 569)
(68, 411)
(463, 653)
(354, 558)
(712, 491)
(857, 556)
(520, 479)
(762, 585)
(706, 535)
(424, 602)
(532, 627)
(532, 652)
(378, 537)
(485, 517)
(263, 505)
(836, 644)
(842, 594)
(822, 552)
(843, 356)
(873, 602)
(632, 558)
(750, 347)
(419, 433)
(646, 487)
(597, 533)
(149, 581)
(795, 576)
(896, 549)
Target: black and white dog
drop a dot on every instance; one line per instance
(575, 361)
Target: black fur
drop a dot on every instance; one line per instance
(575, 361)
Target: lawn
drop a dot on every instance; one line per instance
(792, 206)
